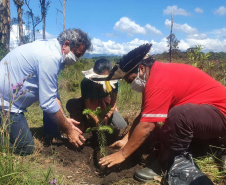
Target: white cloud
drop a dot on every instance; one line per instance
(215, 45)
(153, 29)
(110, 34)
(159, 47)
(14, 35)
(223, 32)
(38, 35)
(220, 11)
(175, 11)
(129, 26)
(110, 47)
(181, 27)
(219, 33)
(197, 36)
(183, 45)
(199, 10)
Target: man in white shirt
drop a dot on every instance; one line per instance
(31, 73)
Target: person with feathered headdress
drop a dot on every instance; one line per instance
(97, 94)
(189, 103)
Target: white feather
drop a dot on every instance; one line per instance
(91, 74)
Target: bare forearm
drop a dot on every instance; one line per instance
(68, 126)
(61, 121)
(139, 135)
(60, 105)
(112, 104)
(135, 123)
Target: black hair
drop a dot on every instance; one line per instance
(131, 59)
(102, 65)
(146, 62)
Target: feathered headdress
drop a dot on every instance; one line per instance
(107, 85)
(127, 63)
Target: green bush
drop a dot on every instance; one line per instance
(73, 85)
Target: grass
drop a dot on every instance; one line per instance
(38, 169)
(210, 167)
(23, 170)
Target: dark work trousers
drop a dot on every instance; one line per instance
(188, 121)
(50, 128)
(21, 139)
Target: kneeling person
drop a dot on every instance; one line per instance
(94, 94)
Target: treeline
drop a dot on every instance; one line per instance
(178, 56)
(183, 56)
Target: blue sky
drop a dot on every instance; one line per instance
(117, 26)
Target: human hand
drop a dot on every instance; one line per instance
(74, 124)
(112, 159)
(75, 138)
(119, 144)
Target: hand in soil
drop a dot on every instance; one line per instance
(118, 144)
(75, 138)
(74, 124)
(112, 159)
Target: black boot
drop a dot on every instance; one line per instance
(145, 174)
(148, 173)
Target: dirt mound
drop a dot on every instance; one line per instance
(81, 165)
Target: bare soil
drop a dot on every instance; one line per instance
(81, 165)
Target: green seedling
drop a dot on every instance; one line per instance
(100, 129)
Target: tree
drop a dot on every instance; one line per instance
(35, 20)
(44, 8)
(100, 128)
(172, 41)
(27, 37)
(19, 4)
(198, 58)
(63, 12)
(5, 23)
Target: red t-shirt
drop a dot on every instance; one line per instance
(172, 84)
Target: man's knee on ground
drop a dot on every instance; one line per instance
(25, 149)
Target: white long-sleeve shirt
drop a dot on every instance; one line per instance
(43, 60)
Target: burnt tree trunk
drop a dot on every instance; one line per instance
(5, 23)
(44, 27)
(171, 32)
(44, 8)
(42, 3)
(19, 4)
(64, 6)
(34, 19)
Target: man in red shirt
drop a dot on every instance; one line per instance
(189, 102)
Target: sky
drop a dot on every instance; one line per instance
(118, 26)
